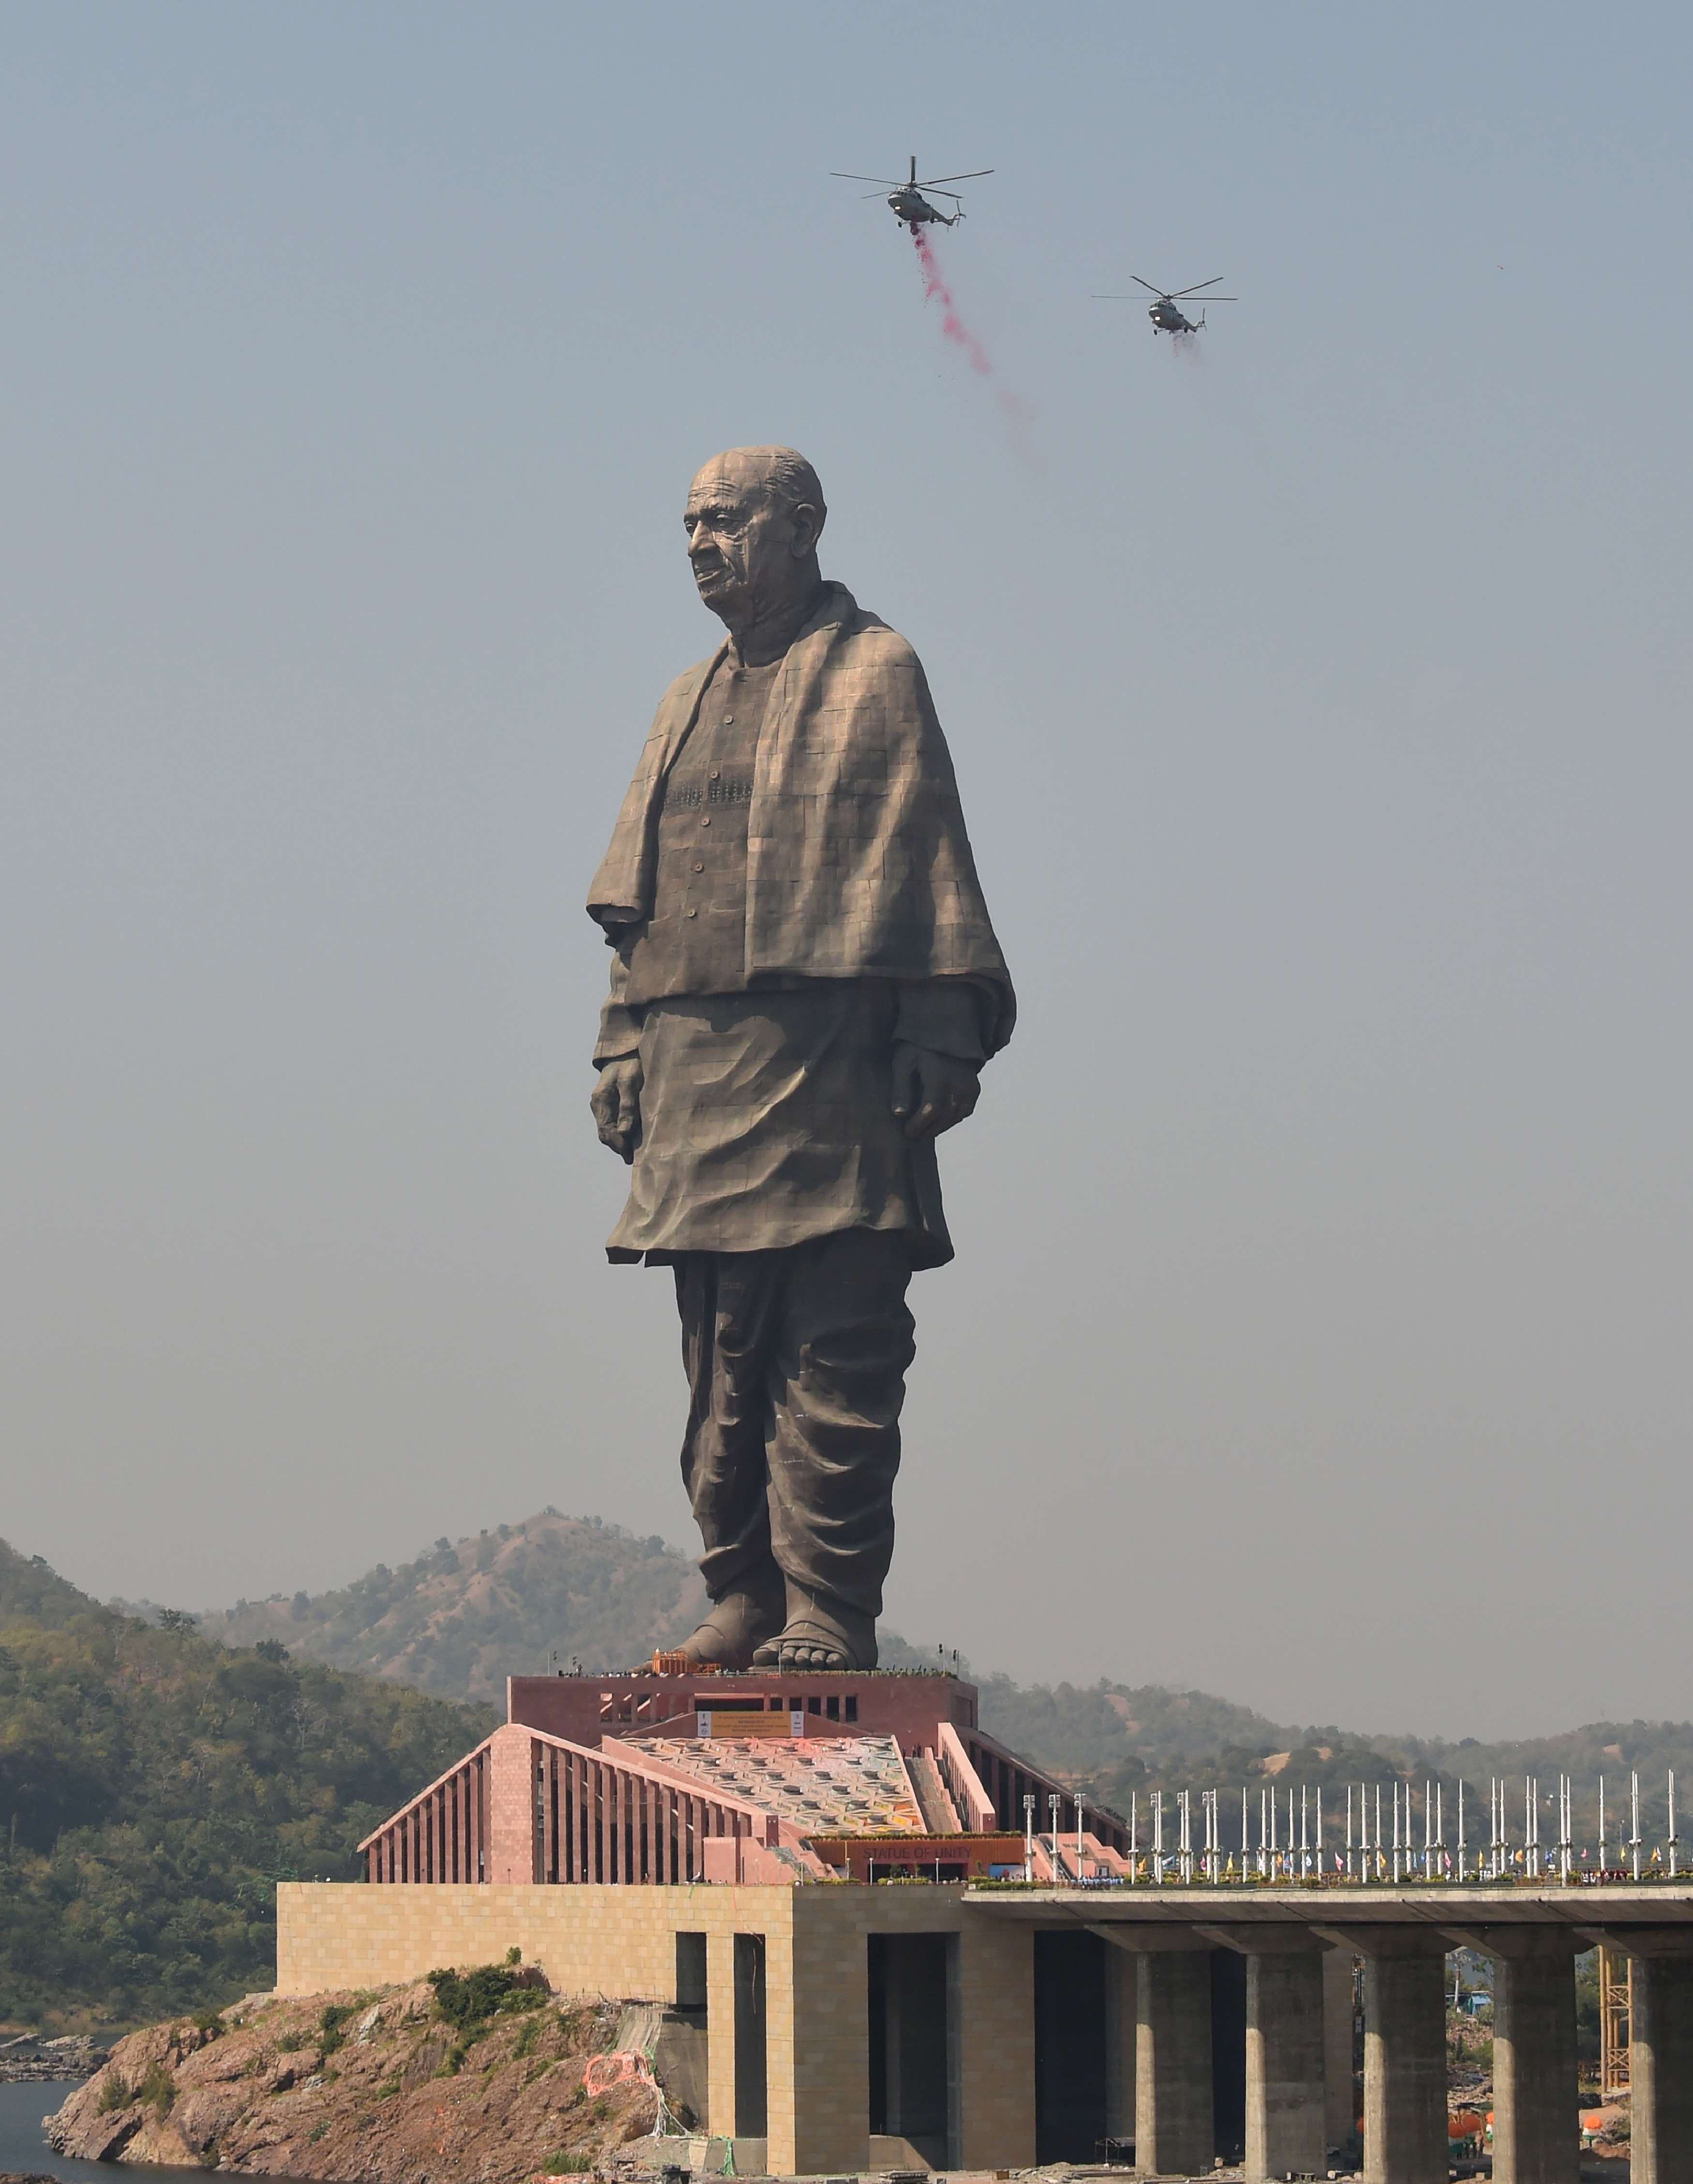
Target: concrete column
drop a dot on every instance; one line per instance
(1286, 2125)
(1661, 2071)
(1121, 2033)
(1284, 2115)
(1172, 2096)
(995, 2060)
(1405, 2051)
(1536, 2130)
(720, 2019)
(1340, 2115)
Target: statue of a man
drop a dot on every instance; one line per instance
(805, 986)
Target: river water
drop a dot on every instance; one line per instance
(23, 2146)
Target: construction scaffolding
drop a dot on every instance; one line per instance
(1615, 2010)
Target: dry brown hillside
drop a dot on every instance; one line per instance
(464, 1616)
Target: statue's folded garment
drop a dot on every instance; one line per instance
(790, 890)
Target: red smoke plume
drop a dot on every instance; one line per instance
(952, 326)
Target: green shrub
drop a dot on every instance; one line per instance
(570, 2164)
(157, 2090)
(115, 2094)
(466, 2000)
(210, 2023)
(330, 2034)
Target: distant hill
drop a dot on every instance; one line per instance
(460, 1618)
(154, 1786)
(463, 1617)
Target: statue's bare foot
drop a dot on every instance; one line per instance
(736, 1624)
(820, 1638)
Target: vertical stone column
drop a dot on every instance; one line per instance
(1174, 2132)
(1405, 2051)
(995, 2028)
(510, 1809)
(1660, 2049)
(1536, 2130)
(1340, 2115)
(1661, 2069)
(1120, 1980)
(1286, 2123)
(720, 2019)
(794, 2131)
(1284, 2116)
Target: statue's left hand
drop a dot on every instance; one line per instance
(932, 1091)
(616, 1105)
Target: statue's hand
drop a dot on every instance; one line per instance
(616, 1105)
(932, 1091)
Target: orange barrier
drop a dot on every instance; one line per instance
(622, 2067)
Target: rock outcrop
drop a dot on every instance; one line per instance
(25, 2057)
(370, 2088)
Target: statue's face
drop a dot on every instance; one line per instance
(747, 548)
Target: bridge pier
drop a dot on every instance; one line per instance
(1660, 2049)
(1661, 2070)
(1340, 2114)
(1536, 2131)
(1286, 2119)
(1173, 2133)
(1405, 2051)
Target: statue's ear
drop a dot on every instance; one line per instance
(808, 529)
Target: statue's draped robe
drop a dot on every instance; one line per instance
(842, 912)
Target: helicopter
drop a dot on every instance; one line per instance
(908, 204)
(1166, 314)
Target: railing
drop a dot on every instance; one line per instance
(442, 1834)
(602, 1819)
(971, 1801)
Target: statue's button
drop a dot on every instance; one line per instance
(694, 913)
(728, 722)
(715, 771)
(700, 868)
(706, 820)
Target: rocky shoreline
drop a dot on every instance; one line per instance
(394, 2086)
(25, 2059)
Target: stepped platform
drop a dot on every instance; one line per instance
(717, 1846)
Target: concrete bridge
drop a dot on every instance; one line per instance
(1299, 2059)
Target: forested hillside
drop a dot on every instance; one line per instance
(154, 1786)
(459, 1619)
(462, 1618)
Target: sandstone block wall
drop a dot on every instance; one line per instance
(622, 1941)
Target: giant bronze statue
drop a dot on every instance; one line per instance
(805, 986)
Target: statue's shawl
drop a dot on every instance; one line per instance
(858, 862)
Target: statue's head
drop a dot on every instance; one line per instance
(753, 518)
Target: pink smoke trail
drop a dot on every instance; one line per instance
(952, 325)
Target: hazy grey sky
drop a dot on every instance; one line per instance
(1318, 1333)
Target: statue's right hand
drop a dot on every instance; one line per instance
(615, 1106)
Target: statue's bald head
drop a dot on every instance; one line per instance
(782, 473)
(753, 518)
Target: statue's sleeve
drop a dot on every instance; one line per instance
(619, 1024)
(944, 1015)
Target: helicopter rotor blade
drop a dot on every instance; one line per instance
(975, 176)
(953, 194)
(836, 175)
(1200, 285)
(1160, 293)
